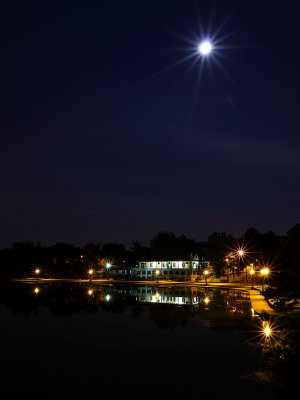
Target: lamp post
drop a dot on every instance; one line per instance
(252, 272)
(157, 272)
(240, 254)
(205, 275)
(108, 265)
(265, 272)
(91, 272)
(37, 271)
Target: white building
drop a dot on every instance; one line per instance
(165, 269)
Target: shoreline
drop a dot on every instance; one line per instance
(258, 302)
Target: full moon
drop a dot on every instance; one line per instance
(205, 47)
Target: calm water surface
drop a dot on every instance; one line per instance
(82, 341)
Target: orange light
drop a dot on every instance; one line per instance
(265, 271)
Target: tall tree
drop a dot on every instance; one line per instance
(168, 246)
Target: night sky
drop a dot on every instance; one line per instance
(114, 127)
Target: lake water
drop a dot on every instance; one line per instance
(74, 340)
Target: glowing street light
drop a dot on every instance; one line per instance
(157, 272)
(240, 253)
(37, 272)
(265, 272)
(252, 272)
(36, 290)
(205, 272)
(205, 47)
(90, 292)
(108, 266)
(91, 272)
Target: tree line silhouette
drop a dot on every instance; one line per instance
(280, 252)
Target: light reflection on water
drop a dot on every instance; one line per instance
(134, 338)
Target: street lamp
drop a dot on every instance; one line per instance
(240, 253)
(229, 268)
(157, 272)
(108, 265)
(37, 271)
(252, 272)
(205, 275)
(265, 272)
(91, 272)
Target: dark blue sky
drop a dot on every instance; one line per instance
(105, 138)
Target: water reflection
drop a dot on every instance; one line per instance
(278, 339)
(79, 297)
(36, 290)
(169, 307)
(236, 301)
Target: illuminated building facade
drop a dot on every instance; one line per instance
(175, 270)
